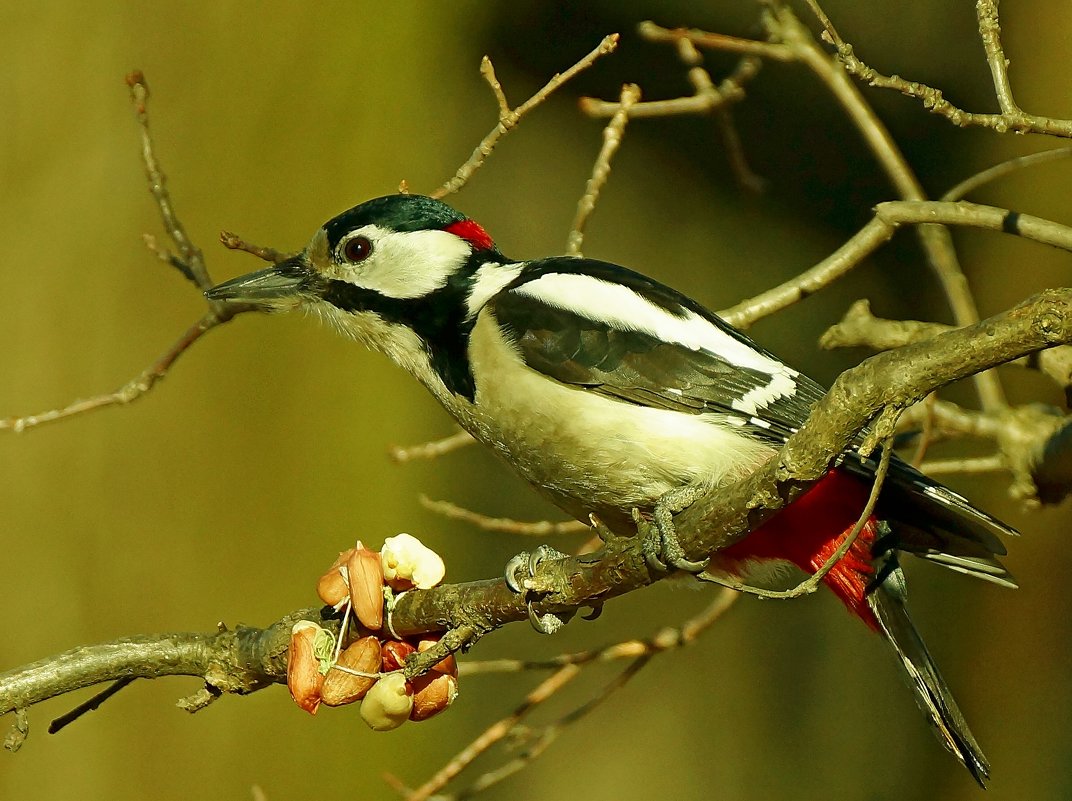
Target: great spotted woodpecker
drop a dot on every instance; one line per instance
(610, 392)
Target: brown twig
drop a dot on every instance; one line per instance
(235, 242)
(190, 256)
(188, 259)
(432, 449)
(502, 525)
(130, 391)
(706, 98)
(888, 217)
(567, 667)
(508, 118)
(792, 41)
(860, 328)
(612, 140)
(1011, 118)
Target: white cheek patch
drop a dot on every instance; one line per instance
(403, 265)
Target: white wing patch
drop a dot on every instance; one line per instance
(781, 385)
(623, 308)
(488, 281)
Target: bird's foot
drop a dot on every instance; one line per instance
(525, 564)
(661, 548)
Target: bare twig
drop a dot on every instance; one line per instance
(188, 260)
(431, 450)
(495, 733)
(536, 740)
(888, 217)
(612, 140)
(983, 177)
(1011, 118)
(664, 640)
(502, 525)
(860, 328)
(775, 51)
(567, 667)
(794, 42)
(189, 254)
(990, 33)
(706, 98)
(976, 464)
(130, 391)
(508, 118)
(235, 242)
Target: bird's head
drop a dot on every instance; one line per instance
(398, 273)
(390, 249)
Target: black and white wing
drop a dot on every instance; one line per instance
(610, 331)
(607, 330)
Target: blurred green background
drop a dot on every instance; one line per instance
(223, 494)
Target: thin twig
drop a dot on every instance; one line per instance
(889, 216)
(663, 640)
(235, 242)
(130, 391)
(487, 70)
(983, 177)
(707, 97)
(1010, 119)
(860, 328)
(188, 253)
(612, 140)
(567, 667)
(188, 260)
(509, 118)
(89, 705)
(977, 464)
(495, 733)
(936, 241)
(990, 32)
(503, 525)
(538, 740)
(774, 51)
(432, 449)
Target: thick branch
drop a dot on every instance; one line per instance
(892, 380)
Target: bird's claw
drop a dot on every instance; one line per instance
(661, 547)
(526, 563)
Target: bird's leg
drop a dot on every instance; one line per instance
(662, 549)
(526, 563)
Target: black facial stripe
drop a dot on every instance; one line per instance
(438, 319)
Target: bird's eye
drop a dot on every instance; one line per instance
(357, 249)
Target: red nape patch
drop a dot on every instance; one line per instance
(809, 530)
(472, 233)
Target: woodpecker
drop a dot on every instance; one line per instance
(610, 392)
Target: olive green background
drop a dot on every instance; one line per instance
(224, 493)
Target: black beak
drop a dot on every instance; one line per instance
(288, 280)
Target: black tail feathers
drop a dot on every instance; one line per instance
(887, 602)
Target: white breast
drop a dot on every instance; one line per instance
(593, 450)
